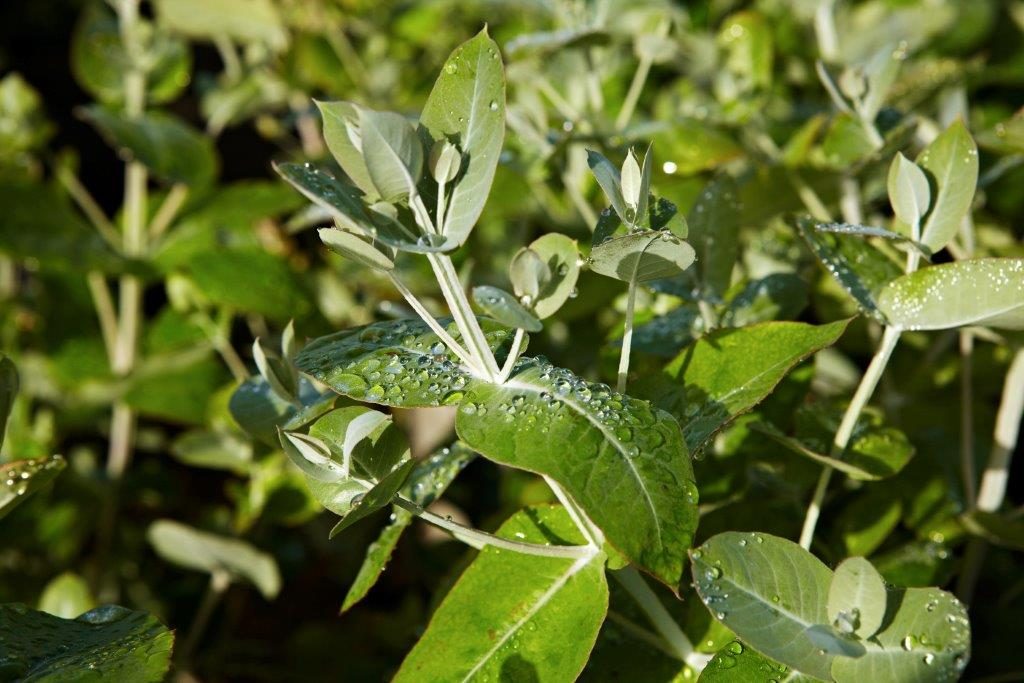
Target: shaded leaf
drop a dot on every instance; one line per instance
(110, 642)
(8, 391)
(260, 411)
(714, 224)
(505, 308)
(779, 296)
(191, 548)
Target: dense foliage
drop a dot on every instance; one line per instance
(599, 340)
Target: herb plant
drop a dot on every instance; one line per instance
(714, 218)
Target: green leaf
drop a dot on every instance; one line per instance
(341, 133)
(987, 291)
(643, 256)
(167, 146)
(770, 592)
(714, 224)
(426, 483)
(505, 308)
(251, 281)
(561, 255)
(995, 528)
(717, 378)
(909, 193)
(857, 266)
(739, 663)
(247, 21)
(867, 521)
(260, 411)
(99, 60)
(857, 598)
(66, 596)
(37, 223)
(508, 616)
(392, 152)
(779, 296)
(928, 638)
(358, 248)
(21, 478)
(874, 452)
(399, 363)
(629, 470)
(213, 450)
(667, 334)
(607, 175)
(528, 272)
(467, 107)
(191, 548)
(951, 161)
(110, 642)
(8, 391)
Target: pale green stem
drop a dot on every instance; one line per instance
(455, 296)
(349, 58)
(85, 201)
(104, 304)
(219, 582)
(967, 416)
(860, 399)
(440, 206)
(627, 337)
(513, 356)
(168, 210)
(636, 86)
(590, 531)
(659, 617)
(226, 50)
(435, 326)
(480, 539)
(221, 341)
(707, 312)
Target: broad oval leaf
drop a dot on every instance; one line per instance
(717, 378)
(770, 592)
(260, 411)
(643, 256)
(987, 291)
(171, 149)
(857, 598)
(194, 549)
(505, 308)
(22, 478)
(399, 363)
(952, 162)
(858, 267)
(926, 637)
(740, 663)
(561, 255)
(714, 223)
(467, 106)
(508, 616)
(426, 483)
(628, 467)
(110, 642)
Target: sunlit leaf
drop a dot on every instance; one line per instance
(952, 162)
(21, 478)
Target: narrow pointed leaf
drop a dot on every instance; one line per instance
(986, 291)
(21, 478)
(109, 642)
(323, 189)
(467, 106)
(628, 467)
(341, 133)
(611, 183)
(399, 363)
(770, 592)
(392, 151)
(508, 615)
(952, 162)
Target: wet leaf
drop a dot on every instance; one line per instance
(505, 308)
(21, 478)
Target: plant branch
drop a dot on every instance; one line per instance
(480, 539)
(890, 337)
(104, 304)
(590, 531)
(168, 210)
(455, 296)
(89, 206)
(435, 326)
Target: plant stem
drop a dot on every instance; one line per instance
(1007, 432)
(168, 210)
(627, 337)
(636, 86)
(104, 305)
(85, 201)
(967, 417)
(825, 30)
(480, 539)
(590, 531)
(472, 335)
(659, 617)
(431, 322)
(219, 582)
(513, 356)
(860, 399)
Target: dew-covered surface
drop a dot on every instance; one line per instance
(21, 478)
(108, 643)
(399, 363)
(857, 266)
(977, 292)
(739, 662)
(620, 458)
(667, 334)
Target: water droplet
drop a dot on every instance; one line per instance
(493, 105)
